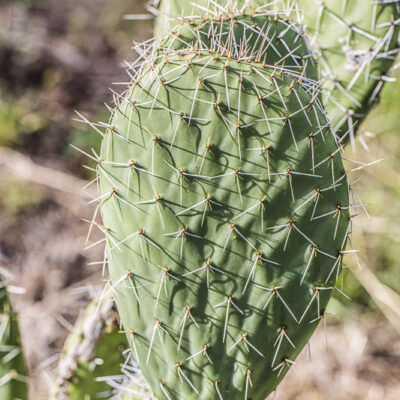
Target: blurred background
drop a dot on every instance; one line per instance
(60, 56)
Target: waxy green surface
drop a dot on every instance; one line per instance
(225, 208)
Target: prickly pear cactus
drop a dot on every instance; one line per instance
(130, 383)
(225, 207)
(355, 42)
(136, 389)
(13, 373)
(93, 351)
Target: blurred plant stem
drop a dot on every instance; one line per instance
(386, 298)
(25, 168)
(66, 190)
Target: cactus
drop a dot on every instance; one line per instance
(92, 350)
(130, 383)
(355, 42)
(13, 372)
(136, 389)
(225, 206)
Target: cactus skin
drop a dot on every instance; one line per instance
(13, 372)
(92, 350)
(222, 257)
(355, 42)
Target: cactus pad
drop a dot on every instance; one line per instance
(355, 42)
(225, 207)
(13, 379)
(92, 350)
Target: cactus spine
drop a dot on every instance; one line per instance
(13, 372)
(130, 384)
(225, 206)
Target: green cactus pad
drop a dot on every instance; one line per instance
(355, 42)
(356, 60)
(13, 372)
(225, 208)
(92, 351)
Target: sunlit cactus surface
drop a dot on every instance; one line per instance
(225, 206)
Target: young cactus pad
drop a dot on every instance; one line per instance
(355, 41)
(13, 373)
(92, 351)
(225, 207)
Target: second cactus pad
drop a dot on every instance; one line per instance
(92, 352)
(225, 207)
(355, 42)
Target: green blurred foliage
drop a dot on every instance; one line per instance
(377, 238)
(17, 120)
(18, 197)
(380, 188)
